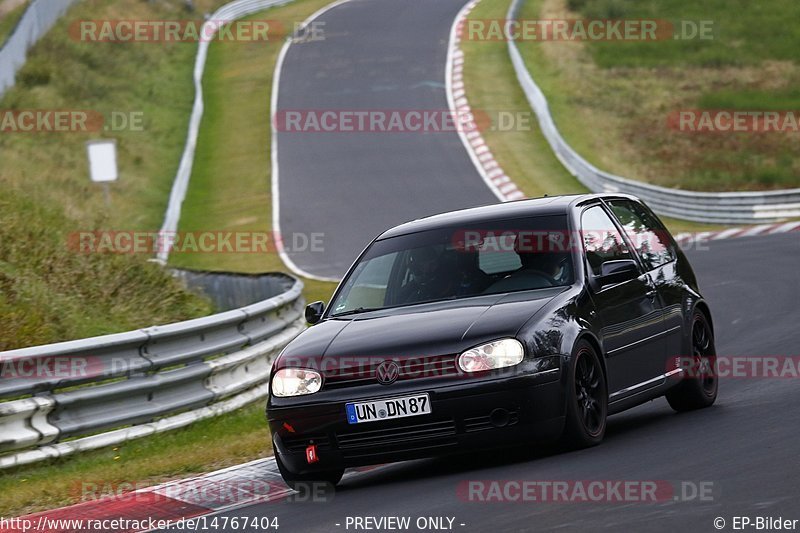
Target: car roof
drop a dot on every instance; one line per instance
(548, 205)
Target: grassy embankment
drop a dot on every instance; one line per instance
(612, 99)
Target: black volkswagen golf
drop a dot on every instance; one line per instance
(520, 322)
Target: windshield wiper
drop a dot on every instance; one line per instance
(356, 311)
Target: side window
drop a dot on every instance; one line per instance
(645, 233)
(602, 240)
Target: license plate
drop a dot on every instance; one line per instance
(388, 409)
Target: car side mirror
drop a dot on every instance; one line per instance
(612, 272)
(314, 312)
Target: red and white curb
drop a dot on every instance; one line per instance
(687, 239)
(152, 508)
(483, 159)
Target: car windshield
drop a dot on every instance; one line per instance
(459, 262)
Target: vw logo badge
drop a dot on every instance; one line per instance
(387, 372)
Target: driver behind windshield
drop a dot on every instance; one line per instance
(426, 279)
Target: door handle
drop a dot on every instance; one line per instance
(652, 293)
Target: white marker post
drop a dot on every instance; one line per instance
(103, 164)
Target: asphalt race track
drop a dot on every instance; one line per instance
(746, 445)
(351, 185)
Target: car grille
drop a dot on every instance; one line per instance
(410, 368)
(429, 435)
(408, 437)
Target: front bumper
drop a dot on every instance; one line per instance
(466, 416)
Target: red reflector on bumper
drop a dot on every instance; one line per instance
(311, 454)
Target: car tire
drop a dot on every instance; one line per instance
(306, 482)
(699, 390)
(587, 399)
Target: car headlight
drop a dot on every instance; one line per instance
(497, 354)
(296, 382)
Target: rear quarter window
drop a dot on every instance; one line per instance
(649, 238)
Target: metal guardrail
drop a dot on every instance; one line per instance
(38, 18)
(721, 207)
(152, 379)
(229, 12)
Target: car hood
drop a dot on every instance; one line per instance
(432, 329)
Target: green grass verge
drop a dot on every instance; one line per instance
(612, 100)
(742, 32)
